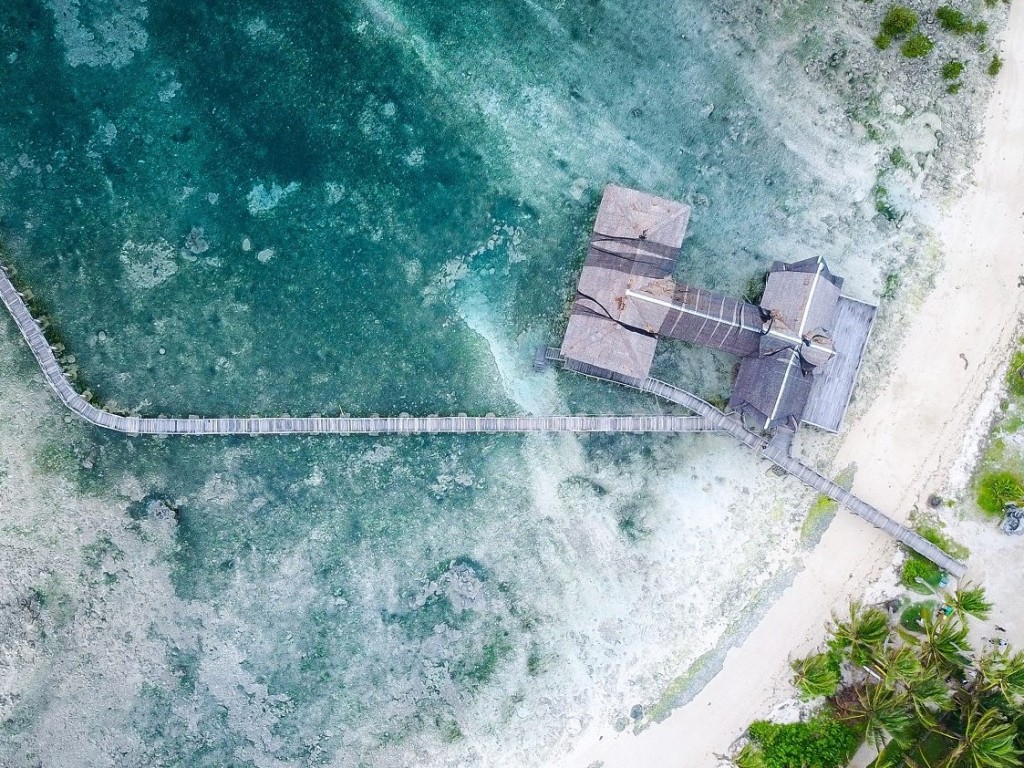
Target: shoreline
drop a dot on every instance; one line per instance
(903, 444)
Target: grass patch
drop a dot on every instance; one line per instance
(822, 510)
(1015, 376)
(995, 66)
(954, 87)
(898, 158)
(675, 690)
(899, 21)
(891, 286)
(917, 46)
(883, 204)
(953, 20)
(883, 42)
(952, 70)
(997, 489)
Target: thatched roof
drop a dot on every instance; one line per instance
(801, 301)
(632, 250)
(792, 358)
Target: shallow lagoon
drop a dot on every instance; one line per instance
(379, 208)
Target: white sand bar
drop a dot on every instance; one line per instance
(903, 444)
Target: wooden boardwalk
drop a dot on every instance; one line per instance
(316, 425)
(833, 386)
(707, 419)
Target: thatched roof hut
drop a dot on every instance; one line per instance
(632, 250)
(800, 348)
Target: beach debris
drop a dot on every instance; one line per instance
(1013, 520)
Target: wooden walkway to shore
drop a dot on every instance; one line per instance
(778, 453)
(708, 419)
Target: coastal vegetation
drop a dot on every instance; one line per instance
(952, 70)
(954, 20)
(910, 685)
(917, 46)
(997, 489)
(898, 22)
(901, 23)
(921, 574)
(819, 743)
(999, 478)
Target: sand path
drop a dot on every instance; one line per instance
(903, 444)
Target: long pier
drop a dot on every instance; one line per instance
(707, 419)
(315, 425)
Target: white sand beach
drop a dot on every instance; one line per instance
(903, 444)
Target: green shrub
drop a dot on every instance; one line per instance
(995, 65)
(910, 617)
(953, 20)
(997, 489)
(952, 70)
(917, 46)
(882, 203)
(1015, 376)
(898, 158)
(818, 743)
(882, 42)
(899, 21)
(954, 87)
(916, 567)
(892, 284)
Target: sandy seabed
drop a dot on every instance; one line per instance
(904, 445)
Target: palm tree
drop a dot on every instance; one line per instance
(861, 637)
(882, 712)
(1000, 673)
(942, 643)
(968, 601)
(817, 675)
(927, 694)
(896, 666)
(930, 697)
(986, 741)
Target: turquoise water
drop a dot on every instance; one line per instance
(381, 207)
